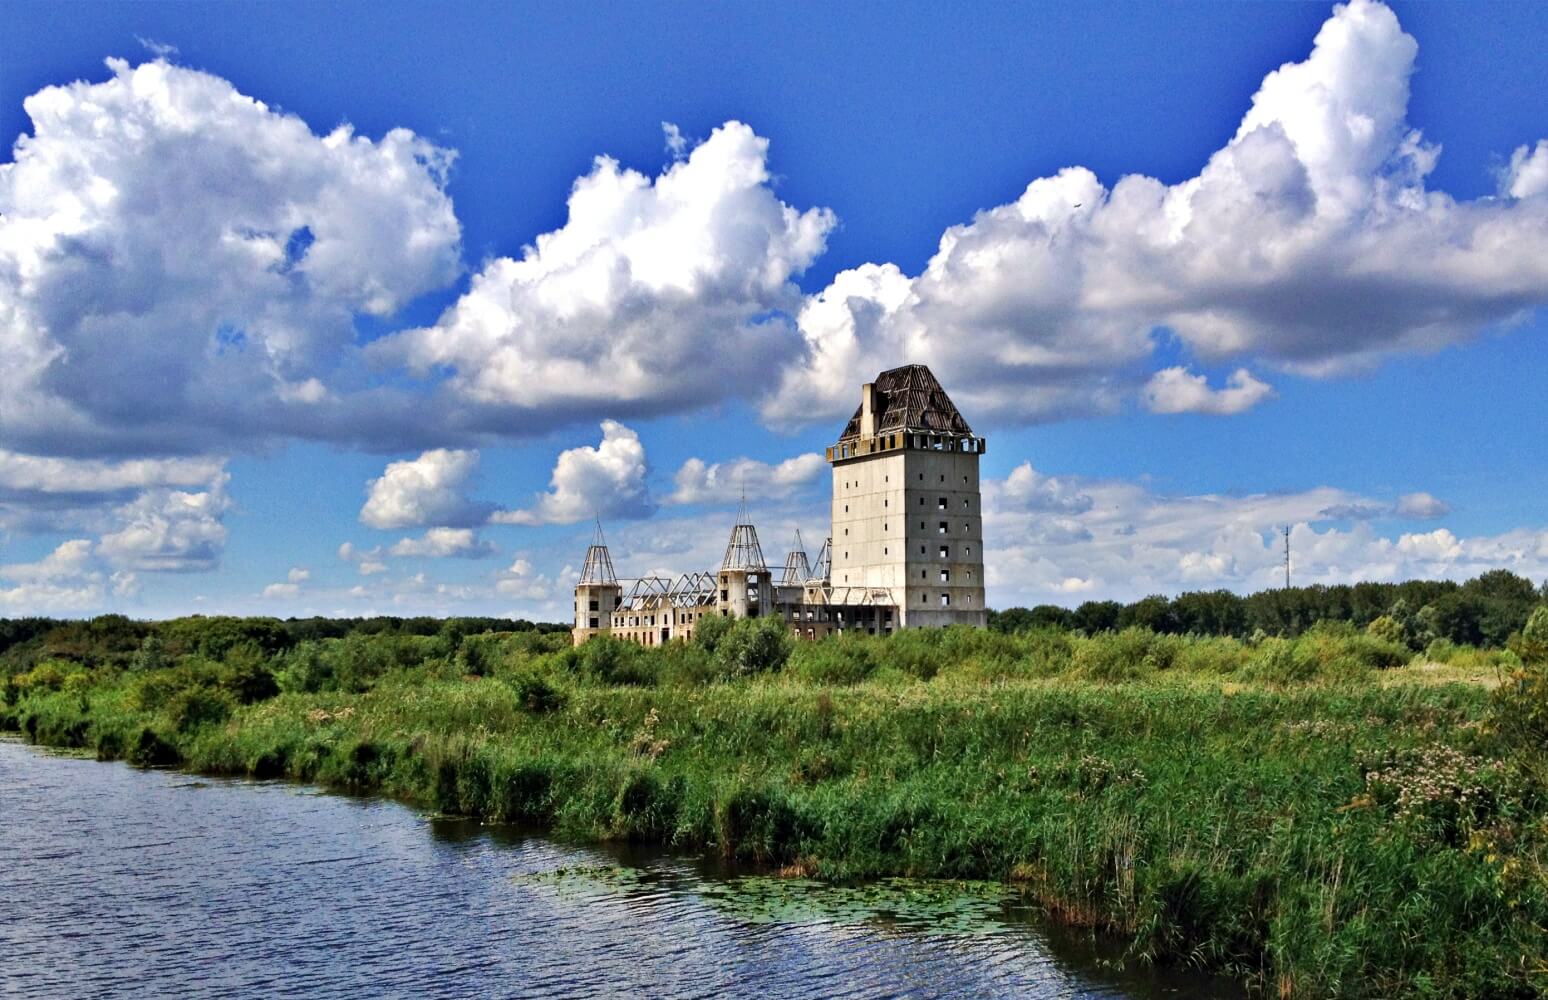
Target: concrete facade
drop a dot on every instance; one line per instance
(906, 549)
(908, 518)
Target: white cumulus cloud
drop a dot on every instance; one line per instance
(440, 543)
(1177, 390)
(1122, 540)
(661, 293)
(721, 482)
(1308, 243)
(70, 579)
(1527, 175)
(179, 263)
(170, 530)
(427, 490)
(605, 481)
(1421, 506)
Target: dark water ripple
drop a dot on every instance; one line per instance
(116, 882)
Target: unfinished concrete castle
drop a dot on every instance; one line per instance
(906, 548)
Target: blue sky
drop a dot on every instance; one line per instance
(255, 364)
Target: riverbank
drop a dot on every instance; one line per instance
(1344, 832)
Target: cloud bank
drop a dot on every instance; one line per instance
(1309, 243)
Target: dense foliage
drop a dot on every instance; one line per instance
(1323, 813)
(1484, 611)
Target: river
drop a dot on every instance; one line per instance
(123, 882)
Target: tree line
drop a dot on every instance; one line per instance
(1484, 611)
(115, 640)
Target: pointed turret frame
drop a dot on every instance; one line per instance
(797, 569)
(599, 564)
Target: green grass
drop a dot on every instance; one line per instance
(1287, 811)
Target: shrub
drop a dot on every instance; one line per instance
(710, 630)
(1041, 653)
(247, 676)
(154, 690)
(50, 675)
(1282, 661)
(1377, 653)
(1520, 703)
(1387, 629)
(1441, 651)
(919, 653)
(150, 656)
(526, 793)
(536, 695)
(837, 659)
(754, 646)
(1115, 656)
(476, 656)
(192, 707)
(357, 661)
(305, 670)
(1210, 656)
(1532, 644)
(686, 664)
(645, 808)
(757, 825)
(150, 750)
(607, 660)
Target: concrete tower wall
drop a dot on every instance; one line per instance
(745, 593)
(910, 519)
(594, 605)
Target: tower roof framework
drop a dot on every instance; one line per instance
(598, 568)
(797, 568)
(743, 551)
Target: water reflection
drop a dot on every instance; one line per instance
(122, 882)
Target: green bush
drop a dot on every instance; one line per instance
(150, 750)
(306, 670)
(153, 690)
(1212, 656)
(607, 660)
(1387, 629)
(246, 675)
(710, 629)
(1115, 656)
(686, 664)
(1282, 661)
(536, 695)
(754, 646)
(476, 656)
(1532, 644)
(191, 707)
(835, 659)
(1442, 651)
(50, 675)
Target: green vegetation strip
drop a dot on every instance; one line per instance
(1324, 815)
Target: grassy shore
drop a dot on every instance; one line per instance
(1318, 816)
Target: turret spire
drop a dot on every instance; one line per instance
(797, 569)
(599, 564)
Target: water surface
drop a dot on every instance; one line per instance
(121, 882)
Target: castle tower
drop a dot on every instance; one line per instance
(746, 589)
(907, 512)
(597, 593)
